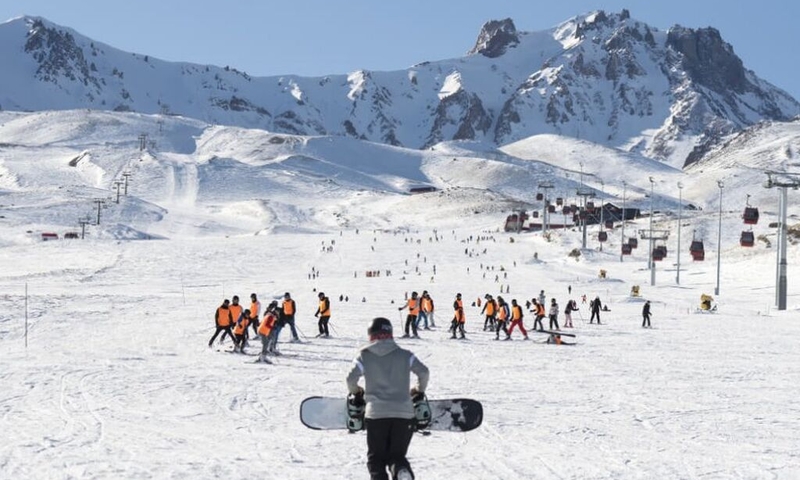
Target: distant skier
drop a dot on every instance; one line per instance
(503, 315)
(255, 312)
(324, 314)
(223, 321)
(595, 305)
(571, 307)
(554, 314)
(542, 297)
(389, 413)
(236, 310)
(288, 309)
(646, 315)
(425, 311)
(240, 331)
(538, 312)
(265, 330)
(411, 319)
(516, 320)
(459, 319)
(489, 308)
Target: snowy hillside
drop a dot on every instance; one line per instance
(606, 78)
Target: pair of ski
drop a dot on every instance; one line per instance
(449, 415)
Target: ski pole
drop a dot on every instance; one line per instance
(330, 324)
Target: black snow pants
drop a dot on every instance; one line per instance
(387, 445)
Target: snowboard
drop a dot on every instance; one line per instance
(450, 415)
(551, 332)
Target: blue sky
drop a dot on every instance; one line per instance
(318, 37)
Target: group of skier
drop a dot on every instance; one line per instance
(232, 319)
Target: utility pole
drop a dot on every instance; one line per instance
(662, 235)
(680, 218)
(622, 233)
(781, 283)
(650, 255)
(118, 184)
(142, 142)
(126, 176)
(83, 222)
(719, 235)
(546, 186)
(101, 202)
(584, 194)
(602, 222)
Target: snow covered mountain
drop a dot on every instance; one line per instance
(606, 78)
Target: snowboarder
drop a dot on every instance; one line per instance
(389, 413)
(595, 305)
(413, 310)
(646, 315)
(542, 297)
(516, 320)
(223, 321)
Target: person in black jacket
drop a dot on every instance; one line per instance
(646, 315)
(595, 307)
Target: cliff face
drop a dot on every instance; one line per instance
(601, 77)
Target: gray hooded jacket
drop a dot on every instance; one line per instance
(386, 369)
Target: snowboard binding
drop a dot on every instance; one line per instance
(422, 412)
(356, 407)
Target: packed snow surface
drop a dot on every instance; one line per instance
(115, 379)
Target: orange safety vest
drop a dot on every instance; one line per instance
(324, 308)
(255, 307)
(266, 325)
(223, 316)
(241, 326)
(236, 311)
(540, 309)
(413, 306)
(489, 308)
(516, 313)
(458, 304)
(501, 313)
(459, 316)
(288, 307)
(427, 305)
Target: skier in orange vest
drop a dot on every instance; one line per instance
(413, 310)
(223, 321)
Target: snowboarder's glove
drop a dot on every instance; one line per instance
(400, 308)
(359, 392)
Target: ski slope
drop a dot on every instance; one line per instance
(115, 379)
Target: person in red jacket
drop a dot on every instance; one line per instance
(516, 320)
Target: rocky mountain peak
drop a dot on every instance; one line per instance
(495, 37)
(57, 53)
(708, 59)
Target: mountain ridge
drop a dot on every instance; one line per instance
(607, 78)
